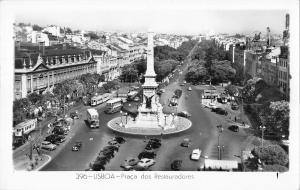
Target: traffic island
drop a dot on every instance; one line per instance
(176, 125)
(23, 163)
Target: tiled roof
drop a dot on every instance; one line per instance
(32, 51)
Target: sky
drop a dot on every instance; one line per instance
(169, 17)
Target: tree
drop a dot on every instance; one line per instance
(93, 36)
(141, 66)
(35, 98)
(196, 74)
(232, 90)
(36, 27)
(221, 70)
(129, 74)
(271, 155)
(275, 168)
(68, 30)
(276, 118)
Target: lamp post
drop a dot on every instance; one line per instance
(220, 150)
(262, 135)
(220, 130)
(126, 114)
(121, 118)
(165, 119)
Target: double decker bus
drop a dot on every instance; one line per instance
(114, 105)
(93, 118)
(99, 99)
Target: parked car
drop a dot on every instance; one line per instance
(77, 146)
(136, 99)
(186, 142)
(53, 139)
(196, 154)
(119, 139)
(211, 105)
(146, 162)
(234, 106)
(48, 145)
(184, 114)
(189, 88)
(128, 163)
(74, 115)
(182, 84)
(173, 102)
(176, 165)
(234, 128)
(113, 143)
(220, 111)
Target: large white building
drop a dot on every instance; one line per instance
(39, 68)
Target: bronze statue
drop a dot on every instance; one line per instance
(148, 101)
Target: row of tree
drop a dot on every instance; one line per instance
(208, 62)
(166, 59)
(266, 110)
(64, 92)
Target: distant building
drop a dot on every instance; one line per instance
(269, 66)
(54, 30)
(284, 71)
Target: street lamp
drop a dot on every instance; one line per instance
(165, 119)
(220, 130)
(262, 134)
(126, 114)
(220, 150)
(121, 118)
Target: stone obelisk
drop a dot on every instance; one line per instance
(150, 85)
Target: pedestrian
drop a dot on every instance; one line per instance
(234, 118)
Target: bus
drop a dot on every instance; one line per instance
(25, 127)
(99, 99)
(114, 105)
(93, 118)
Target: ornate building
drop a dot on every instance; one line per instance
(39, 68)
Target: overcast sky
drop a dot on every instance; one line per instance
(169, 17)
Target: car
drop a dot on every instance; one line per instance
(119, 139)
(48, 145)
(113, 143)
(77, 146)
(128, 163)
(146, 162)
(176, 165)
(182, 84)
(173, 102)
(221, 111)
(186, 142)
(184, 114)
(53, 139)
(234, 106)
(74, 115)
(163, 90)
(189, 88)
(212, 105)
(136, 99)
(196, 154)
(234, 128)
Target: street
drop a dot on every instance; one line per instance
(203, 134)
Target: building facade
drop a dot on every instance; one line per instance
(38, 71)
(283, 71)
